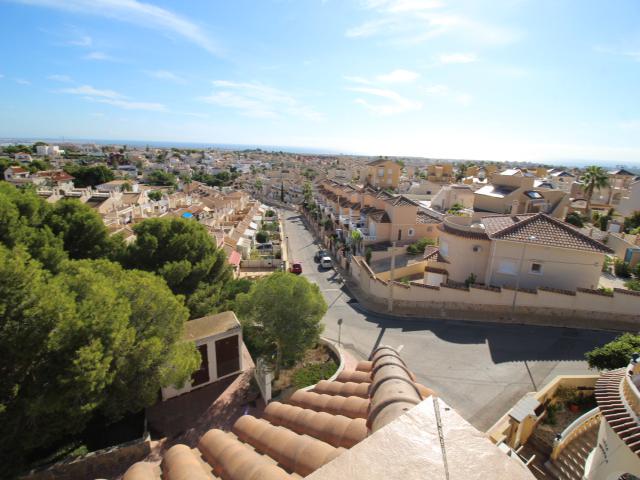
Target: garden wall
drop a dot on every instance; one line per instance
(581, 308)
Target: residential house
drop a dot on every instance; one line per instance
(16, 175)
(562, 180)
(218, 339)
(48, 150)
(630, 202)
(441, 173)
(610, 196)
(451, 195)
(513, 192)
(23, 157)
(374, 422)
(523, 251)
(118, 186)
(382, 173)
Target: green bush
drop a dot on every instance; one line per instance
(615, 354)
(622, 269)
(367, 255)
(574, 219)
(262, 236)
(633, 285)
(418, 247)
(312, 374)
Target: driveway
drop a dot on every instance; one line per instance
(480, 369)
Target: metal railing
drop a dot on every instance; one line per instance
(578, 427)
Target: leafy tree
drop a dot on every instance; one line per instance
(615, 354)
(262, 236)
(82, 230)
(292, 323)
(632, 222)
(367, 255)
(621, 268)
(158, 177)
(184, 254)
(575, 219)
(94, 339)
(594, 178)
(89, 176)
(155, 195)
(282, 192)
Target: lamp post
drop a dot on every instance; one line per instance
(515, 293)
(339, 331)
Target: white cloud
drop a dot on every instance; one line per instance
(60, 78)
(444, 91)
(409, 22)
(22, 81)
(258, 101)
(111, 97)
(99, 56)
(165, 75)
(83, 41)
(458, 58)
(393, 103)
(632, 54)
(138, 13)
(399, 76)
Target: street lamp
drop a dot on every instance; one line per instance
(339, 331)
(515, 293)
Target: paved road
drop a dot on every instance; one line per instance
(481, 369)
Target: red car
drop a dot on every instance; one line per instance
(296, 267)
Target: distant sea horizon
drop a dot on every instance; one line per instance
(635, 166)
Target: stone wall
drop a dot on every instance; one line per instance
(582, 308)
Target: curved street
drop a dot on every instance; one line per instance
(480, 369)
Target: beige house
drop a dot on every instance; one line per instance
(218, 339)
(451, 195)
(513, 192)
(521, 251)
(441, 173)
(382, 173)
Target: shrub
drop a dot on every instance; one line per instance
(367, 255)
(262, 236)
(269, 213)
(633, 285)
(615, 354)
(621, 269)
(312, 374)
(575, 219)
(418, 247)
(471, 279)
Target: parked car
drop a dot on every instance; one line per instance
(264, 246)
(296, 268)
(319, 254)
(326, 262)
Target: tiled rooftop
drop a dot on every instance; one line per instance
(423, 217)
(295, 439)
(541, 229)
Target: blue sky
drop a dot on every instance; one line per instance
(499, 79)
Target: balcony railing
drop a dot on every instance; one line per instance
(579, 426)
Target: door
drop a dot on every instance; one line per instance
(227, 356)
(201, 375)
(399, 234)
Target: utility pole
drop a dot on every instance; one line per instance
(515, 293)
(392, 276)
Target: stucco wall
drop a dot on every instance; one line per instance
(561, 268)
(464, 260)
(581, 308)
(611, 457)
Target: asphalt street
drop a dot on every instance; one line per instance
(480, 369)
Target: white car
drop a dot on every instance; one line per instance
(326, 262)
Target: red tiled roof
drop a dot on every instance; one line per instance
(541, 229)
(296, 439)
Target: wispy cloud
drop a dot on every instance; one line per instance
(83, 41)
(633, 54)
(399, 76)
(139, 13)
(166, 75)
(392, 102)
(60, 78)
(22, 81)
(100, 56)
(458, 58)
(111, 97)
(259, 101)
(415, 21)
(444, 91)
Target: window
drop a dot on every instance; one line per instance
(410, 232)
(477, 248)
(508, 267)
(381, 172)
(444, 248)
(536, 268)
(389, 171)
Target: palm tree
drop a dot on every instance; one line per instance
(594, 178)
(356, 238)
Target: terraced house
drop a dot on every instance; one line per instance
(379, 216)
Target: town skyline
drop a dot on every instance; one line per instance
(518, 81)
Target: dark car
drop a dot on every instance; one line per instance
(296, 268)
(319, 254)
